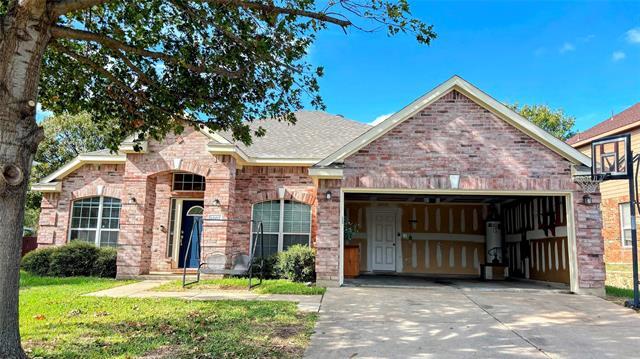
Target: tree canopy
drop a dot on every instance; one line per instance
(152, 66)
(65, 137)
(554, 121)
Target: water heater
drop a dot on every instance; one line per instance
(493, 240)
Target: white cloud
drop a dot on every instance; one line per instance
(618, 55)
(567, 47)
(380, 119)
(633, 35)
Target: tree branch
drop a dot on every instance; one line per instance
(254, 5)
(61, 7)
(61, 32)
(86, 61)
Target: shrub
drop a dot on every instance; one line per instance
(105, 265)
(38, 261)
(270, 271)
(297, 263)
(74, 259)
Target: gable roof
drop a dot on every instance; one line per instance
(314, 136)
(100, 156)
(622, 121)
(477, 96)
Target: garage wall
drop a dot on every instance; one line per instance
(536, 238)
(437, 238)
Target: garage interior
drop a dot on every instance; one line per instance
(493, 237)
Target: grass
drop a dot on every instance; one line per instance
(619, 283)
(268, 286)
(56, 321)
(619, 292)
(619, 275)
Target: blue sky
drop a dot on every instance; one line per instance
(581, 57)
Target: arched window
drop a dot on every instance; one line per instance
(285, 223)
(96, 220)
(195, 211)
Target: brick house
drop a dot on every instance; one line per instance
(448, 184)
(616, 224)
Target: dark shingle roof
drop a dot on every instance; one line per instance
(315, 135)
(623, 119)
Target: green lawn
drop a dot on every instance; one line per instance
(270, 286)
(619, 276)
(57, 322)
(619, 292)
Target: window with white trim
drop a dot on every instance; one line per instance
(188, 182)
(96, 220)
(625, 224)
(285, 223)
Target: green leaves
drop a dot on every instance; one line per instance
(554, 121)
(66, 136)
(154, 66)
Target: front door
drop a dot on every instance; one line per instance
(190, 234)
(383, 239)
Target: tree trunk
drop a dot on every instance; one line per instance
(24, 34)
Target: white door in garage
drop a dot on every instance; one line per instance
(383, 239)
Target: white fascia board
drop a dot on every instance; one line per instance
(129, 147)
(82, 160)
(227, 149)
(263, 161)
(479, 97)
(51, 187)
(244, 159)
(326, 173)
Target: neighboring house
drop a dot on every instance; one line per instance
(420, 188)
(616, 224)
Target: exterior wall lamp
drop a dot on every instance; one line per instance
(328, 195)
(133, 200)
(586, 199)
(216, 202)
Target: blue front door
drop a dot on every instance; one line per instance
(190, 231)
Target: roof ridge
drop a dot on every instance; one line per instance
(626, 117)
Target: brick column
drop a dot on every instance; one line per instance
(136, 226)
(328, 235)
(589, 245)
(50, 231)
(220, 186)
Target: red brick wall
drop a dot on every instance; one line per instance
(455, 135)
(614, 252)
(84, 182)
(259, 184)
(147, 177)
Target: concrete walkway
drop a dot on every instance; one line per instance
(306, 303)
(445, 321)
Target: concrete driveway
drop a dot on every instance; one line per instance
(475, 321)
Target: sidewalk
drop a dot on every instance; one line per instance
(306, 303)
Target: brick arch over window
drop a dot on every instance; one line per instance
(306, 197)
(191, 166)
(97, 191)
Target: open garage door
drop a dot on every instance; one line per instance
(459, 236)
